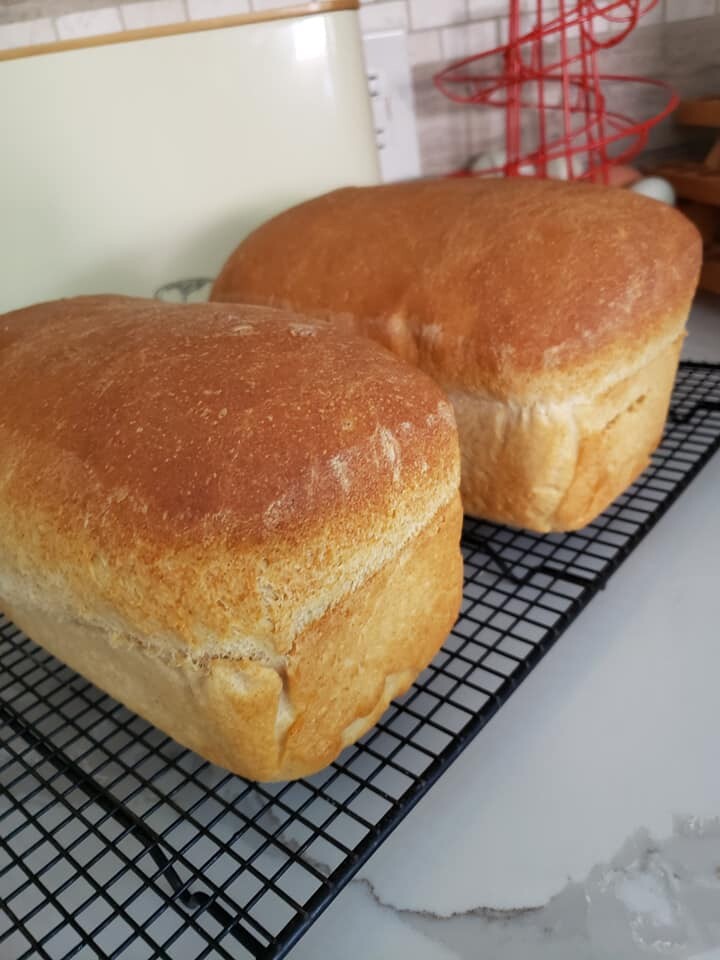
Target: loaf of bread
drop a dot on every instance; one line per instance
(242, 524)
(551, 313)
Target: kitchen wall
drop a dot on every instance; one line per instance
(679, 41)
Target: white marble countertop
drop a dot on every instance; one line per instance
(584, 821)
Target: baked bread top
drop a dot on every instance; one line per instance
(207, 478)
(520, 289)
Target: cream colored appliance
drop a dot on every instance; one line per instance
(131, 160)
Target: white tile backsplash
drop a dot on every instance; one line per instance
(88, 23)
(486, 130)
(482, 9)
(424, 47)
(689, 9)
(208, 9)
(468, 39)
(454, 42)
(260, 5)
(425, 14)
(484, 35)
(384, 15)
(26, 33)
(444, 141)
(152, 13)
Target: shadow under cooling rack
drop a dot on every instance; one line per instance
(116, 842)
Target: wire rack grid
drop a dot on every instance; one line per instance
(117, 842)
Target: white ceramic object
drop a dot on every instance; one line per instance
(128, 165)
(657, 188)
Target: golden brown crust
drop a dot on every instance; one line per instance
(418, 597)
(557, 466)
(207, 474)
(268, 724)
(528, 301)
(520, 289)
(243, 524)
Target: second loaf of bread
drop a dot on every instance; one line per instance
(551, 313)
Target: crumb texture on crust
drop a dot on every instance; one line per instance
(520, 289)
(557, 466)
(536, 305)
(290, 719)
(209, 478)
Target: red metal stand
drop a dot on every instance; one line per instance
(557, 121)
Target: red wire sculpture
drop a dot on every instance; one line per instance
(549, 85)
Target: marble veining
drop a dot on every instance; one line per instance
(658, 898)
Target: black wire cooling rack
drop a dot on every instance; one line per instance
(116, 842)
